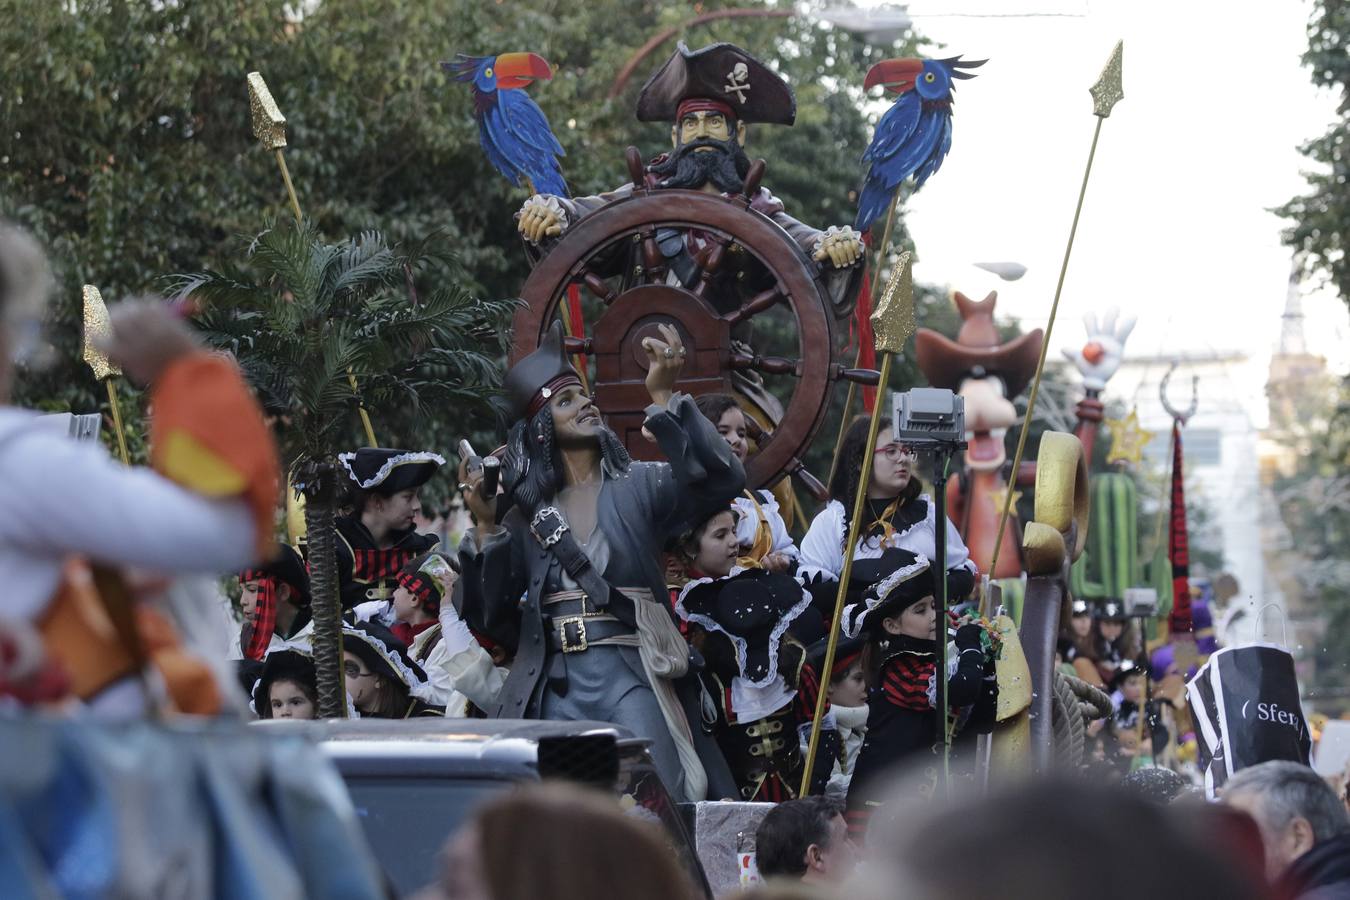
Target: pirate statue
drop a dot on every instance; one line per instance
(378, 537)
(576, 560)
(709, 96)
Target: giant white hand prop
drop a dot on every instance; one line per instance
(1100, 357)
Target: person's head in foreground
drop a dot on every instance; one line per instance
(561, 842)
(1045, 840)
(805, 839)
(1304, 825)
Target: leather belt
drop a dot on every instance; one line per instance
(577, 634)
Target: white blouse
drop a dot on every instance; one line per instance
(747, 523)
(822, 548)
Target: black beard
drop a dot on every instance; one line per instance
(724, 164)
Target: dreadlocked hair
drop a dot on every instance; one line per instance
(533, 459)
(847, 474)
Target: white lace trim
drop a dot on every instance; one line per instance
(421, 689)
(416, 456)
(741, 644)
(856, 613)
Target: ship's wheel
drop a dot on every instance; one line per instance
(728, 228)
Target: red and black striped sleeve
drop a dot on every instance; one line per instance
(904, 681)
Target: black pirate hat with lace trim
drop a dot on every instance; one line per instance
(753, 608)
(908, 583)
(390, 471)
(387, 656)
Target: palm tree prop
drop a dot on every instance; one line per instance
(301, 313)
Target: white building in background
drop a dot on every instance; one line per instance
(1220, 444)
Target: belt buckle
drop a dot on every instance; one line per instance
(567, 645)
(541, 518)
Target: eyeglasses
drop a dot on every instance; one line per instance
(895, 452)
(354, 671)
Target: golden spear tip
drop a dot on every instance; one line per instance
(269, 125)
(96, 324)
(893, 320)
(1108, 91)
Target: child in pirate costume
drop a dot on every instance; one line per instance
(898, 616)
(755, 672)
(274, 598)
(846, 693)
(582, 544)
(414, 615)
(383, 681)
(763, 535)
(287, 687)
(898, 516)
(379, 537)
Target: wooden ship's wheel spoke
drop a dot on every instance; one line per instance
(618, 243)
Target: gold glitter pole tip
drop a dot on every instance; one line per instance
(96, 324)
(1108, 91)
(269, 125)
(893, 320)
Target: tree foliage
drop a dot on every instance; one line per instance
(127, 147)
(1322, 216)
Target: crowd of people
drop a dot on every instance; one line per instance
(662, 596)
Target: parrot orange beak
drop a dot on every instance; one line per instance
(516, 70)
(896, 75)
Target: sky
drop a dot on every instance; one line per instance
(1175, 226)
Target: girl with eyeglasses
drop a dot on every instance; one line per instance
(898, 516)
(383, 681)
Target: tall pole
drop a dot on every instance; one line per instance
(1106, 93)
(893, 322)
(877, 263)
(269, 127)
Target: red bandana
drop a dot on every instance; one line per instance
(257, 635)
(703, 104)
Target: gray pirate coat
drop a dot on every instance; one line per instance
(638, 511)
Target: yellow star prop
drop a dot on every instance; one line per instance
(1127, 439)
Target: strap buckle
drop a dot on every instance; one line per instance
(574, 641)
(548, 526)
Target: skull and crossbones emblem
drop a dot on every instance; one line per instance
(738, 81)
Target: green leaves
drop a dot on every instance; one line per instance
(306, 317)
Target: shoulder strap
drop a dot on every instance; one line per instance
(554, 535)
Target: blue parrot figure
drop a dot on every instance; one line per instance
(914, 135)
(511, 127)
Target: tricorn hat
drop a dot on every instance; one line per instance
(531, 382)
(386, 655)
(390, 471)
(281, 665)
(977, 350)
(753, 608)
(903, 587)
(724, 74)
